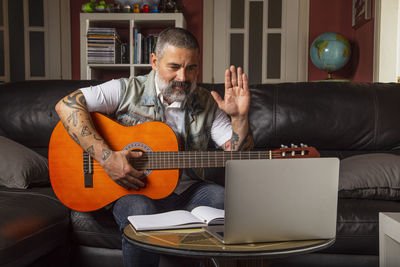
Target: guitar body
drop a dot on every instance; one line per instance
(66, 164)
(82, 184)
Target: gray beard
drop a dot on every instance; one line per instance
(175, 95)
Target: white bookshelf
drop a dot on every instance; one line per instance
(125, 22)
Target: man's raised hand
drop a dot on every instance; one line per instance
(236, 100)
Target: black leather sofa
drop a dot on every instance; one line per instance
(339, 119)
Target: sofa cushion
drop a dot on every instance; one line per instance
(372, 176)
(358, 225)
(21, 167)
(33, 223)
(96, 229)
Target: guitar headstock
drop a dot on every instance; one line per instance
(295, 151)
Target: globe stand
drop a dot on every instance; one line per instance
(331, 79)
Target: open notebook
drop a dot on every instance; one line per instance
(198, 217)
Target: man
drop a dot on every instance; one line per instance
(169, 93)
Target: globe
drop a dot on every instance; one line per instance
(330, 51)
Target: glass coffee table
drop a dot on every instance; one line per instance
(197, 243)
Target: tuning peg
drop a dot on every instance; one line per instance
(283, 153)
(293, 152)
(303, 146)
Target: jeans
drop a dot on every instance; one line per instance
(198, 194)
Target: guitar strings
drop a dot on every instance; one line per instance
(193, 159)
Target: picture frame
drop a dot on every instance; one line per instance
(361, 12)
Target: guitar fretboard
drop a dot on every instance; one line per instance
(203, 159)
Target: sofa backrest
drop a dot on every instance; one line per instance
(338, 118)
(27, 112)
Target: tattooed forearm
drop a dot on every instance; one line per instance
(77, 120)
(247, 143)
(234, 140)
(233, 144)
(85, 131)
(74, 118)
(97, 138)
(76, 101)
(106, 154)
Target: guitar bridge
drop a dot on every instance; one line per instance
(88, 169)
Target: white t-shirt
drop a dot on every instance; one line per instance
(105, 97)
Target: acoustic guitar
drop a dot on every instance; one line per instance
(81, 183)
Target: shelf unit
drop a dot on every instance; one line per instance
(125, 23)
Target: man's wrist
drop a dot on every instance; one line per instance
(240, 122)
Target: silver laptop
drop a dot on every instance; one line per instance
(279, 200)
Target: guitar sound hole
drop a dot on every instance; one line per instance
(142, 162)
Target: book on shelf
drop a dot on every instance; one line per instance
(145, 50)
(135, 32)
(177, 219)
(124, 53)
(139, 41)
(143, 46)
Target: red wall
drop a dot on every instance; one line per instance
(337, 18)
(193, 12)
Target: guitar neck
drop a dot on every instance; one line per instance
(203, 159)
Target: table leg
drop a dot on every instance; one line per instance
(214, 262)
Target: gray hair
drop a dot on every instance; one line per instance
(177, 37)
